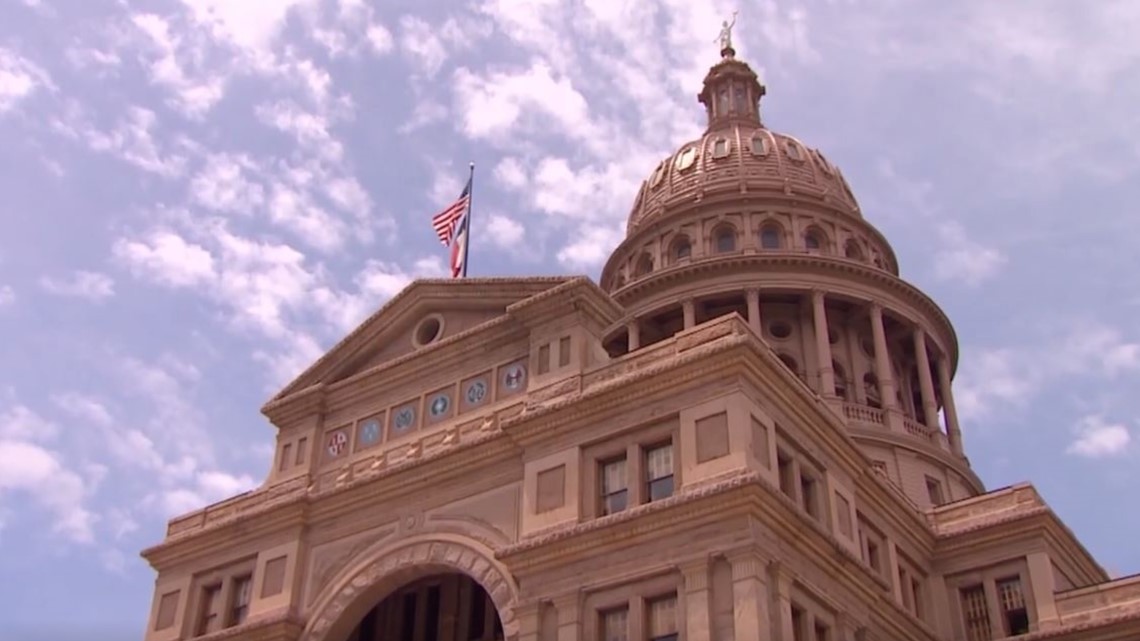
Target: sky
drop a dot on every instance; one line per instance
(201, 196)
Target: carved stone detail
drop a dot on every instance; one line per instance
(398, 565)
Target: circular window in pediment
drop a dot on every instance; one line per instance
(428, 330)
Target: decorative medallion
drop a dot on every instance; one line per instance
(369, 433)
(337, 444)
(514, 377)
(476, 391)
(440, 403)
(404, 418)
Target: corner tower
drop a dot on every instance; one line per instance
(749, 220)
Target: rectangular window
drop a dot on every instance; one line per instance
(916, 596)
(239, 607)
(286, 453)
(822, 632)
(210, 610)
(787, 473)
(799, 624)
(808, 495)
(904, 587)
(873, 556)
(975, 613)
(544, 359)
(659, 472)
(1014, 614)
(615, 625)
(564, 351)
(615, 489)
(662, 614)
(934, 490)
(302, 445)
(843, 510)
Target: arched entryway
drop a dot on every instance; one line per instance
(441, 607)
(388, 571)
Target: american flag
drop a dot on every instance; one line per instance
(444, 221)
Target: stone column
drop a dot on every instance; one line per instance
(698, 618)
(1043, 585)
(883, 360)
(529, 620)
(752, 297)
(569, 610)
(925, 382)
(780, 594)
(634, 330)
(822, 345)
(953, 432)
(690, 310)
(749, 596)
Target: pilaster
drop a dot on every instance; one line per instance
(698, 620)
(751, 601)
(568, 607)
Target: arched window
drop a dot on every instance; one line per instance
(724, 239)
(644, 265)
(815, 240)
(681, 248)
(871, 388)
(771, 236)
(852, 250)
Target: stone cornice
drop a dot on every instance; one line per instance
(725, 348)
(351, 493)
(283, 625)
(921, 447)
(1035, 522)
(741, 494)
(455, 292)
(580, 293)
(238, 530)
(782, 268)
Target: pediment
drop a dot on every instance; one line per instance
(425, 312)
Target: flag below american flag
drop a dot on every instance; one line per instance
(445, 221)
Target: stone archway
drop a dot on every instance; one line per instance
(379, 573)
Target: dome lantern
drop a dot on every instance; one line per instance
(731, 93)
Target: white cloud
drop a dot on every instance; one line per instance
(28, 466)
(19, 78)
(421, 42)
(166, 258)
(194, 92)
(511, 173)
(1097, 438)
(379, 38)
(82, 284)
(7, 295)
(222, 185)
(960, 259)
(505, 232)
(131, 140)
(250, 24)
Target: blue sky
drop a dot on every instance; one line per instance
(201, 196)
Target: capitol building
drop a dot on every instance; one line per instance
(745, 431)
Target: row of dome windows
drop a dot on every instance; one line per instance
(771, 236)
(721, 147)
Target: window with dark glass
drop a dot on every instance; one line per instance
(725, 240)
(787, 474)
(239, 608)
(770, 237)
(681, 248)
(1014, 614)
(615, 489)
(808, 495)
(853, 251)
(934, 489)
(811, 240)
(659, 472)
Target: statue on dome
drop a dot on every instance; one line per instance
(725, 37)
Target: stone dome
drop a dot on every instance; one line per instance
(738, 156)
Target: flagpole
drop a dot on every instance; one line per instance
(470, 202)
